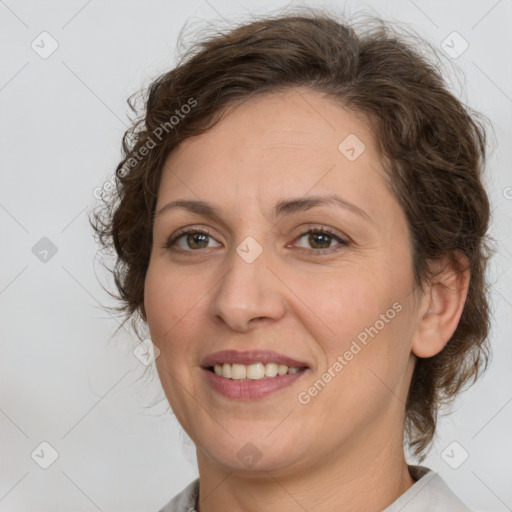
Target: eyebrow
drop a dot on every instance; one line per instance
(282, 208)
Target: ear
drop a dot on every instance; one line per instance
(442, 305)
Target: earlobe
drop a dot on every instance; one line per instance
(442, 306)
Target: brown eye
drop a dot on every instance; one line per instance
(196, 240)
(191, 240)
(320, 239)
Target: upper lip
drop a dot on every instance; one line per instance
(250, 357)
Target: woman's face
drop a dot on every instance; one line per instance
(325, 283)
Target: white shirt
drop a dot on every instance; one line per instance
(428, 494)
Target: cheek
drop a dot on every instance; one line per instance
(360, 322)
(172, 303)
(172, 307)
(345, 304)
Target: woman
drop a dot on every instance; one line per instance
(301, 223)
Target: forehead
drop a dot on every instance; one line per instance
(277, 144)
(297, 119)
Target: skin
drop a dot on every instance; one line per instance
(344, 447)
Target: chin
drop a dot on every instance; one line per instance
(256, 456)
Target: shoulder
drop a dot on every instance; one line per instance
(185, 501)
(430, 492)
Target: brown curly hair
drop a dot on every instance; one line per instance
(431, 145)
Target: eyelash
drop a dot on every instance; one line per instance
(322, 231)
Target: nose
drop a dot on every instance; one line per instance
(248, 294)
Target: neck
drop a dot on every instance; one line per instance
(366, 476)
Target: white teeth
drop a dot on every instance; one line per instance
(238, 371)
(226, 370)
(254, 371)
(271, 369)
(282, 369)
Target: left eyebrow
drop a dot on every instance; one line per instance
(282, 208)
(288, 206)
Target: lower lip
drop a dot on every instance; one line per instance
(251, 389)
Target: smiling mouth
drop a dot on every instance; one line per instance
(255, 371)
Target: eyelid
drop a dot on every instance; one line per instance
(306, 228)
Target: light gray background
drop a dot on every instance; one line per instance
(63, 379)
